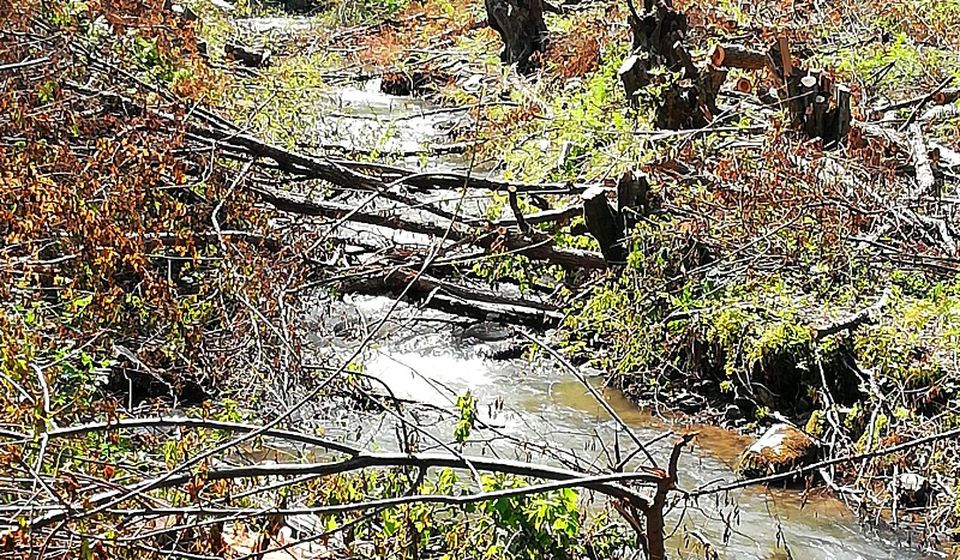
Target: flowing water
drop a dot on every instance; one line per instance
(537, 410)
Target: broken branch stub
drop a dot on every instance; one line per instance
(521, 27)
(656, 547)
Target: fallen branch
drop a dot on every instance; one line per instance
(923, 102)
(921, 159)
(461, 500)
(359, 461)
(736, 56)
(182, 422)
(853, 321)
(941, 97)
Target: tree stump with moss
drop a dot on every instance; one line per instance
(521, 27)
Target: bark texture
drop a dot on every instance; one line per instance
(521, 26)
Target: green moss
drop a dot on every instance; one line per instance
(815, 423)
(910, 62)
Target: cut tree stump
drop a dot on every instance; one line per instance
(657, 30)
(603, 223)
(612, 226)
(521, 27)
(816, 104)
(654, 34)
(634, 75)
(946, 96)
(632, 201)
(658, 36)
(250, 57)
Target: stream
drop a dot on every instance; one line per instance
(423, 357)
(536, 409)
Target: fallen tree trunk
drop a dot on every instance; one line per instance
(209, 128)
(534, 246)
(447, 180)
(452, 298)
(557, 216)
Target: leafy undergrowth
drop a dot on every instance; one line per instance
(106, 229)
(134, 273)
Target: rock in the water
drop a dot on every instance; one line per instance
(780, 449)
(688, 402)
(487, 331)
(732, 412)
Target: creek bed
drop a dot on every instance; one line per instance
(536, 409)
